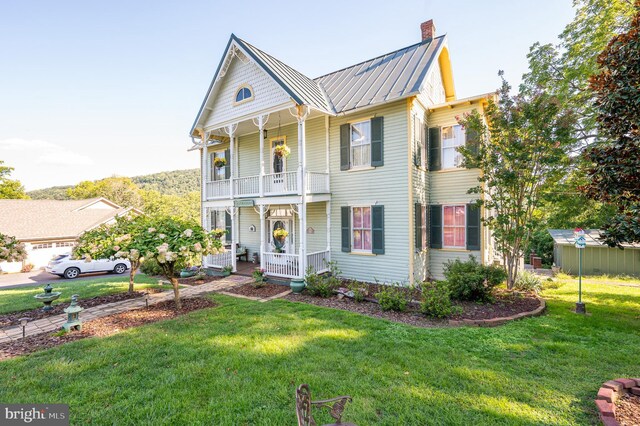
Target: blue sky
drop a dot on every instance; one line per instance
(90, 89)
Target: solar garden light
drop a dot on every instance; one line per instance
(23, 324)
(146, 298)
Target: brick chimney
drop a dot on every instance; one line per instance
(428, 30)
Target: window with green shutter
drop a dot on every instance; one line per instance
(345, 218)
(377, 141)
(473, 227)
(420, 218)
(435, 226)
(228, 227)
(377, 229)
(435, 160)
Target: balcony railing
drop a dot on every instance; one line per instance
(319, 261)
(273, 184)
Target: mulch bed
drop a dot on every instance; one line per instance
(267, 290)
(12, 318)
(104, 326)
(195, 281)
(412, 316)
(628, 410)
(506, 304)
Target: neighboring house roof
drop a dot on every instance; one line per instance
(393, 76)
(386, 78)
(30, 220)
(565, 237)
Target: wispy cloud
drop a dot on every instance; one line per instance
(45, 152)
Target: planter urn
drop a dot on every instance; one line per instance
(297, 285)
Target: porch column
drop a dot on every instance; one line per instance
(234, 235)
(327, 148)
(230, 130)
(262, 121)
(262, 236)
(205, 176)
(302, 113)
(328, 211)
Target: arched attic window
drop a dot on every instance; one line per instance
(244, 93)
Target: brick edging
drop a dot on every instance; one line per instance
(609, 393)
(492, 322)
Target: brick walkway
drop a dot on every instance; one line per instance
(55, 322)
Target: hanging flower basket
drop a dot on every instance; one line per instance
(282, 150)
(219, 162)
(280, 234)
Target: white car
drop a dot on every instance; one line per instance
(64, 266)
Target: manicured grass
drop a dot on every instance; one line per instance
(239, 364)
(21, 298)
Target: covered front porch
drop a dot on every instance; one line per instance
(250, 228)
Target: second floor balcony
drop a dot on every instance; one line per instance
(273, 184)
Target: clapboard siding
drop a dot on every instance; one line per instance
(451, 186)
(386, 185)
(420, 183)
(248, 239)
(438, 258)
(267, 93)
(599, 260)
(317, 219)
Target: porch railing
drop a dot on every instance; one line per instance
(318, 261)
(317, 182)
(247, 186)
(274, 184)
(281, 264)
(281, 183)
(219, 260)
(218, 189)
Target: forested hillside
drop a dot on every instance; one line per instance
(177, 182)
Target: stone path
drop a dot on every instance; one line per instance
(55, 322)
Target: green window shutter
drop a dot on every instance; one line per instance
(212, 167)
(473, 227)
(417, 214)
(345, 215)
(345, 146)
(227, 167)
(435, 226)
(435, 162)
(425, 145)
(417, 149)
(377, 229)
(228, 227)
(377, 143)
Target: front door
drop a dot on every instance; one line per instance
(287, 245)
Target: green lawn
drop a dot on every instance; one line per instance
(21, 298)
(239, 363)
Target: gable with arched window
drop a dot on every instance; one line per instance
(244, 94)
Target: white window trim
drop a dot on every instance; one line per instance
(353, 249)
(235, 94)
(442, 148)
(362, 166)
(464, 246)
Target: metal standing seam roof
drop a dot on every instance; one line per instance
(385, 78)
(565, 237)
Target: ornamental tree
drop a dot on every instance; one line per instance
(173, 242)
(11, 250)
(521, 151)
(614, 174)
(119, 239)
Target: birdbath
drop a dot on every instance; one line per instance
(47, 297)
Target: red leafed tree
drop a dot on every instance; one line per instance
(614, 174)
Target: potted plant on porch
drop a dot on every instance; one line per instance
(279, 237)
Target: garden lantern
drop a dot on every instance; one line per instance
(23, 324)
(73, 315)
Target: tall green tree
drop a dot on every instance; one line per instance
(10, 188)
(120, 190)
(614, 174)
(521, 152)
